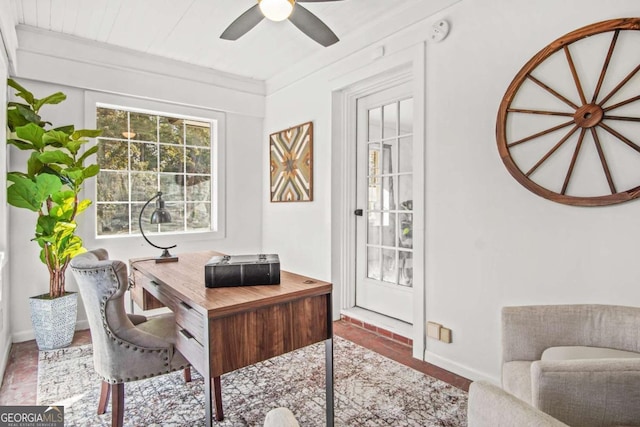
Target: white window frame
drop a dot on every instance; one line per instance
(218, 173)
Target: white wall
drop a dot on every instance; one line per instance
(490, 242)
(244, 138)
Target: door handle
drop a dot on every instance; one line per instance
(358, 212)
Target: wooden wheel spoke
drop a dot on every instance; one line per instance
(623, 118)
(603, 161)
(621, 104)
(620, 136)
(574, 73)
(539, 134)
(553, 150)
(573, 161)
(548, 113)
(622, 83)
(605, 65)
(552, 92)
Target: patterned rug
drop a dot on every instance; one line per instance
(370, 390)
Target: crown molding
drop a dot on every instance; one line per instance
(8, 34)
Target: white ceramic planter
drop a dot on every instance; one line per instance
(54, 320)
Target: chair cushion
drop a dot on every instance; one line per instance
(582, 352)
(516, 379)
(163, 326)
(136, 319)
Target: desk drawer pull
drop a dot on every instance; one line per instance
(157, 285)
(185, 305)
(186, 334)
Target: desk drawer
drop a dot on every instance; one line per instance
(190, 348)
(140, 295)
(186, 316)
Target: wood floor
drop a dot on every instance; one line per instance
(19, 385)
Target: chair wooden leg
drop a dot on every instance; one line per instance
(105, 391)
(117, 405)
(187, 374)
(217, 397)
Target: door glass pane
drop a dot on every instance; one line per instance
(374, 159)
(374, 195)
(388, 229)
(388, 196)
(388, 156)
(406, 117)
(375, 124)
(373, 263)
(405, 190)
(405, 155)
(390, 114)
(405, 231)
(405, 268)
(389, 268)
(373, 232)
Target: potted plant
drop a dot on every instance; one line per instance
(50, 187)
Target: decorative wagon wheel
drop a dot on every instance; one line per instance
(579, 121)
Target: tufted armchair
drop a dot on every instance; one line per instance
(578, 363)
(125, 347)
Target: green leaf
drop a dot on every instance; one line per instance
(15, 119)
(55, 98)
(21, 92)
(91, 170)
(87, 153)
(16, 176)
(86, 133)
(32, 133)
(69, 129)
(55, 137)
(21, 194)
(61, 197)
(34, 165)
(73, 173)
(22, 145)
(46, 225)
(46, 185)
(74, 146)
(55, 156)
(30, 115)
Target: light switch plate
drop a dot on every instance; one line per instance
(445, 335)
(433, 330)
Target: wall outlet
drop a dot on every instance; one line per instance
(433, 330)
(445, 335)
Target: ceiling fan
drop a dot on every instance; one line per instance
(279, 10)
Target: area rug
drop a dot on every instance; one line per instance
(370, 390)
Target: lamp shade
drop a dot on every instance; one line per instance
(276, 10)
(160, 215)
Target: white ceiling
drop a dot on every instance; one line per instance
(189, 30)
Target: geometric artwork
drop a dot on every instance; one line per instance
(291, 164)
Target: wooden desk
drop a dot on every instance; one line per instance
(223, 329)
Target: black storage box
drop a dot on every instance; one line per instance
(242, 270)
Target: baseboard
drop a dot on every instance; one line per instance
(456, 368)
(28, 335)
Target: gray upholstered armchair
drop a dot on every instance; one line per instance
(125, 347)
(578, 363)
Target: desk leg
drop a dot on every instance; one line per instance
(208, 420)
(328, 348)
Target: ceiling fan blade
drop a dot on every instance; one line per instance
(312, 26)
(243, 24)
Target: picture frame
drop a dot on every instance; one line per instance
(291, 164)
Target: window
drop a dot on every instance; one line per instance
(143, 151)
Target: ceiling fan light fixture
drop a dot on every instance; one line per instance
(276, 10)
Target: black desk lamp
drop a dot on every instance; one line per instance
(159, 216)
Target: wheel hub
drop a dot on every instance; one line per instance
(588, 115)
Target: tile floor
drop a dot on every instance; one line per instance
(20, 379)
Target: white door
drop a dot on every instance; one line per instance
(384, 221)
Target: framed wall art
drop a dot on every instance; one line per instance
(291, 164)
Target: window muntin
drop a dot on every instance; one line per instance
(142, 152)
